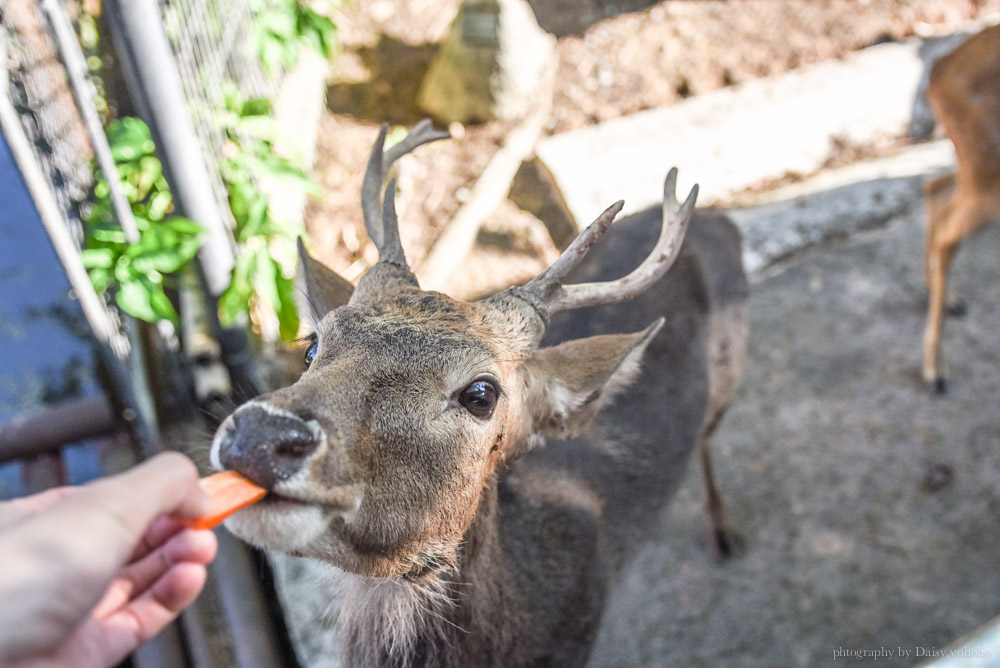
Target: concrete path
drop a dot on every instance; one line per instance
(733, 137)
(871, 508)
(837, 203)
(736, 137)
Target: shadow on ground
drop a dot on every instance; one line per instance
(390, 93)
(573, 17)
(871, 507)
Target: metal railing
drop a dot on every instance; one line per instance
(44, 115)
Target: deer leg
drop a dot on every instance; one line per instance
(954, 305)
(725, 541)
(939, 258)
(939, 199)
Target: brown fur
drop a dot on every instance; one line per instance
(964, 92)
(471, 541)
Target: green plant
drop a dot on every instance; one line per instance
(283, 27)
(266, 246)
(137, 271)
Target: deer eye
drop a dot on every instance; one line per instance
(311, 353)
(479, 398)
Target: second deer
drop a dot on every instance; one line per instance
(477, 490)
(964, 92)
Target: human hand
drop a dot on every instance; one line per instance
(92, 572)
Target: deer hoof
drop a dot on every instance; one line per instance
(727, 543)
(954, 306)
(957, 308)
(940, 386)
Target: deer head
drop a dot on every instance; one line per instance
(378, 456)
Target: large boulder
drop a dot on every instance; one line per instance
(492, 64)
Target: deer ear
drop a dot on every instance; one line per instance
(319, 289)
(578, 377)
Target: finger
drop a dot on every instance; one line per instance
(118, 510)
(87, 537)
(160, 531)
(166, 484)
(12, 512)
(146, 616)
(188, 546)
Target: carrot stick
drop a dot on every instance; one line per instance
(228, 492)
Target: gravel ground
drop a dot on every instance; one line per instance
(871, 508)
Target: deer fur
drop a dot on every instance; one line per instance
(463, 540)
(964, 92)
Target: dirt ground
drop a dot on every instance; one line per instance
(615, 58)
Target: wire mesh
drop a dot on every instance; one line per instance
(39, 90)
(216, 54)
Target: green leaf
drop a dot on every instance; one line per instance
(123, 271)
(288, 316)
(318, 31)
(164, 261)
(144, 299)
(129, 139)
(265, 279)
(182, 225)
(235, 301)
(256, 107)
(148, 173)
(256, 220)
(162, 306)
(92, 258)
(188, 247)
(232, 304)
(135, 298)
(100, 278)
(159, 204)
(109, 235)
(281, 169)
(241, 197)
(262, 127)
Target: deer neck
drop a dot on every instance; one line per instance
(432, 618)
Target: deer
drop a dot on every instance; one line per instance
(477, 473)
(964, 93)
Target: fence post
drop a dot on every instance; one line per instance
(155, 87)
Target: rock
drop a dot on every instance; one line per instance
(491, 65)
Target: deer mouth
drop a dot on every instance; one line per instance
(274, 500)
(337, 499)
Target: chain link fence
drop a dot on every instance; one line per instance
(214, 48)
(39, 90)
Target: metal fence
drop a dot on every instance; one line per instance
(215, 53)
(39, 90)
(234, 623)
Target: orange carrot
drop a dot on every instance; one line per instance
(228, 492)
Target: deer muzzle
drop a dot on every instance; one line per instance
(265, 444)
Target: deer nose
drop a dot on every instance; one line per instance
(266, 445)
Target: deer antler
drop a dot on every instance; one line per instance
(549, 294)
(386, 240)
